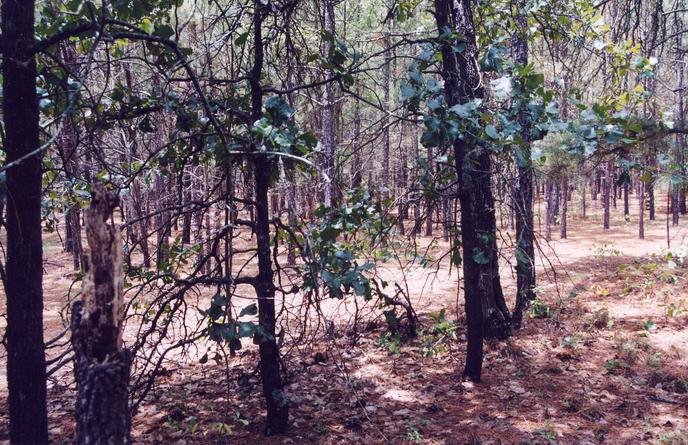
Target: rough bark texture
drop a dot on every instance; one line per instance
(67, 148)
(550, 210)
(564, 207)
(606, 193)
(429, 204)
(641, 211)
(26, 367)
(525, 250)
(101, 363)
(474, 167)
(678, 189)
(328, 110)
(276, 403)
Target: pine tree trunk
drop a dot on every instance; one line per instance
(549, 212)
(429, 205)
(26, 367)
(564, 207)
(187, 197)
(276, 403)
(67, 146)
(583, 206)
(650, 190)
(357, 164)
(641, 211)
(678, 189)
(417, 217)
(328, 111)
(606, 190)
(101, 362)
(474, 169)
(525, 250)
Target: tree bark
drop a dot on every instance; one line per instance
(678, 189)
(384, 122)
(641, 211)
(525, 250)
(549, 211)
(26, 366)
(429, 205)
(276, 403)
(101, 362)
(606, 190)
(328, 111)
(564, 207)
(474, 168)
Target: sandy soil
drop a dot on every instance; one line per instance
(608, 365)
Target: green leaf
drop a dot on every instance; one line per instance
(492, 132)
(251, 309)
(479, 256)
(147, 26)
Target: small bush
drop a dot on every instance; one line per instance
(539, 309)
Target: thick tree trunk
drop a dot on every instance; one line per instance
(474, 169)
(26, 367)
(101, 363)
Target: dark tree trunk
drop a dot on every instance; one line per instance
(650, 190)
(525, 250)
(357, 165)
(625, 199)
(417, 218)
(186, 196)
(474, 169)
(606, 190)
(678, 189)
(582, 201)
(641, 211)
(564, 207)
(276, 403)
(549, 211)
(328, 111)
(26, 367)
(429, 207)
(612, 174)
(384, 122)
(101, 363)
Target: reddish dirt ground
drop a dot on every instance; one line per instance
(604, 359)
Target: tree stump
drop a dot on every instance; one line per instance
(101, 363)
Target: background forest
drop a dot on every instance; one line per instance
(336, 221)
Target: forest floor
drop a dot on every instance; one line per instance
(603, 358)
